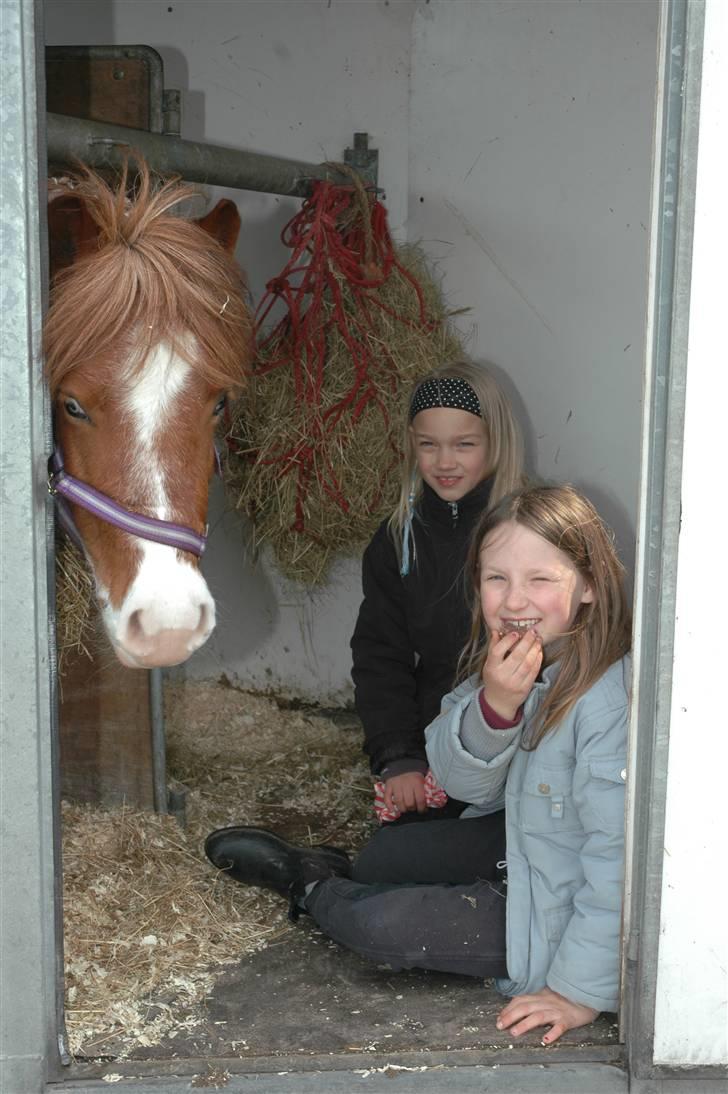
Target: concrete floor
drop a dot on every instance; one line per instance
(308, 996)
(306, 1005)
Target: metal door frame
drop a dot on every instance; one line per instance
(682, 41)
(31, 954)
(31, 946)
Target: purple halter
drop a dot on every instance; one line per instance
(64, 488)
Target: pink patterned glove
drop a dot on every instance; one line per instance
(435, 797)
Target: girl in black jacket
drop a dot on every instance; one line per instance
(463, 452)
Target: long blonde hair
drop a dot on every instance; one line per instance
(503, 436)
(601, 631)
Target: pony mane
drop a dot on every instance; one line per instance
(149, 276)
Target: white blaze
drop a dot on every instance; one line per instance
(168, 611)
(153, 391)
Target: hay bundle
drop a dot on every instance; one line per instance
(314, 447)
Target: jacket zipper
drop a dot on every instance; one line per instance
(454, 512)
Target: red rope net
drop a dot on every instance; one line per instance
(351, 306)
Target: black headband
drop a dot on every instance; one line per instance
(448, 391)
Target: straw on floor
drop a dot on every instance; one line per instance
(149, 923)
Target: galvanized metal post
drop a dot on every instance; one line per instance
(159, 743)
(29, 947)
(659, 526)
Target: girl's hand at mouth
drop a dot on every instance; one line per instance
(510, 671)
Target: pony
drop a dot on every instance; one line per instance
(147, 336)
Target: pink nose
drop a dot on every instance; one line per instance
(138, 648)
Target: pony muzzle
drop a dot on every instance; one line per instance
(157, 628)
(166, 648)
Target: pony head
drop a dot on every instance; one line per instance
(147, 336)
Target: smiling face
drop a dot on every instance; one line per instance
(526, 582)
(451, 449)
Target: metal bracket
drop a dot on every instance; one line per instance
(171, 112)
(363, 159)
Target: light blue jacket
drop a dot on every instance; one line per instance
(564, 806)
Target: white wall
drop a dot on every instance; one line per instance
(691, 1014)
(530, 156)
(525, 129)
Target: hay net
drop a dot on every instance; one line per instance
(313, 449)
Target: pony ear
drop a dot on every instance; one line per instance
(223, 223)
(72, 232)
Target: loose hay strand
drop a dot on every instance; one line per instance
(75, 603)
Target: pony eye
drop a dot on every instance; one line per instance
(219, 406)
(75, 410)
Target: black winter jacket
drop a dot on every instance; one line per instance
(410, 630)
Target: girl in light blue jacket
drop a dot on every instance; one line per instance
(540, 724)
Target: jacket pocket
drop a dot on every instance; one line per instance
(556, 921)
(605, 793)
(547, 801)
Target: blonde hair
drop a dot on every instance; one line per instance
(503, 435)
(601, 630)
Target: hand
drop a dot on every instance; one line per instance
(544, 1008)
(510, 671)
(406, 792)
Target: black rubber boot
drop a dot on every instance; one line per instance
(255, 856)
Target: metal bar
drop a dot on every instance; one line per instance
(159, 744)
(101, 145)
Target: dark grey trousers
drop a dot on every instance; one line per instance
(446, 911)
